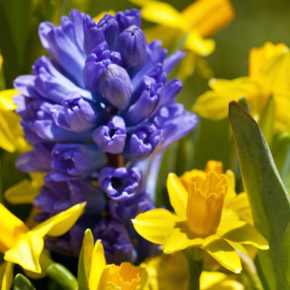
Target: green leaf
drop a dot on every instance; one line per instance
(286, 254)
(83, 265)
(268, 197)
(267, 119)
(22, 283)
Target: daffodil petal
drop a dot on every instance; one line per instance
(177, 195)
(231, 192)
(212, 105)
(179, 238)
(60, 223)
(248, 235)
(6, 275)
(27, 252)
(6, 99)
(224, 254)
(198, 45)
(84, 264)
(155, 225)
(98, 264)
(209, 279)
(218, 13)
(11, 134)
(162, 13)
(229, 221)
(11, 229)
(21, 192)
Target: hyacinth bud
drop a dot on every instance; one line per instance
(110, 27)
(112, 136)
(128, 17)
(115, 86)
(145, 101)
(120, 183)
(142, 141)
(131, 44)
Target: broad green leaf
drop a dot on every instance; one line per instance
(267, 195)
(22, 283)
(267, 119)
(286, 254)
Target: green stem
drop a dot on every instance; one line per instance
(195, 262)
(250, 272)
(58, 273)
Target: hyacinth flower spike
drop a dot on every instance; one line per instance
(95, 274)
(24, 246)
(200, 220)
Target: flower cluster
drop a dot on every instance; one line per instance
(100, 104)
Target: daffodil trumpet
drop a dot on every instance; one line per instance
(200, 219)
(95, 274)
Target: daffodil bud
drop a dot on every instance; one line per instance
(131, 44)
(115, 86)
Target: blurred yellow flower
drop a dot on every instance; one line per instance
(11, 134)
(170, 272)
(23, 246)
(191, 26)
(269, 68)
(99, 275)
(26, 190)
(200, 220)
(6, 275)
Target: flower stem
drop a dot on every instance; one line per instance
(250, 272)
(195, 263)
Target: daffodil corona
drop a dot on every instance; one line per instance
(200, 219)
(95, 274)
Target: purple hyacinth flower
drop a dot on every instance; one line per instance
(58, 196)
(131, 43)
(116, 241)
(120, 183)
(125, 210)
(75, 114)
(174, 122)
(142, 141)
(112, 136)
(145, 100)
(115, 86)
(37, 160)
(128, 18)
(75, 161)
(110, 28)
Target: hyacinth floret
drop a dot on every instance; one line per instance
(99, 104)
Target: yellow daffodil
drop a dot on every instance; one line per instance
(6, 275)
(24, 246)
(1, 62)
(170, 272)
(100, 276)
(269, 68)
(196, 22)
(239, 203)
(11, 134)
(26, 190)
(200, 220)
